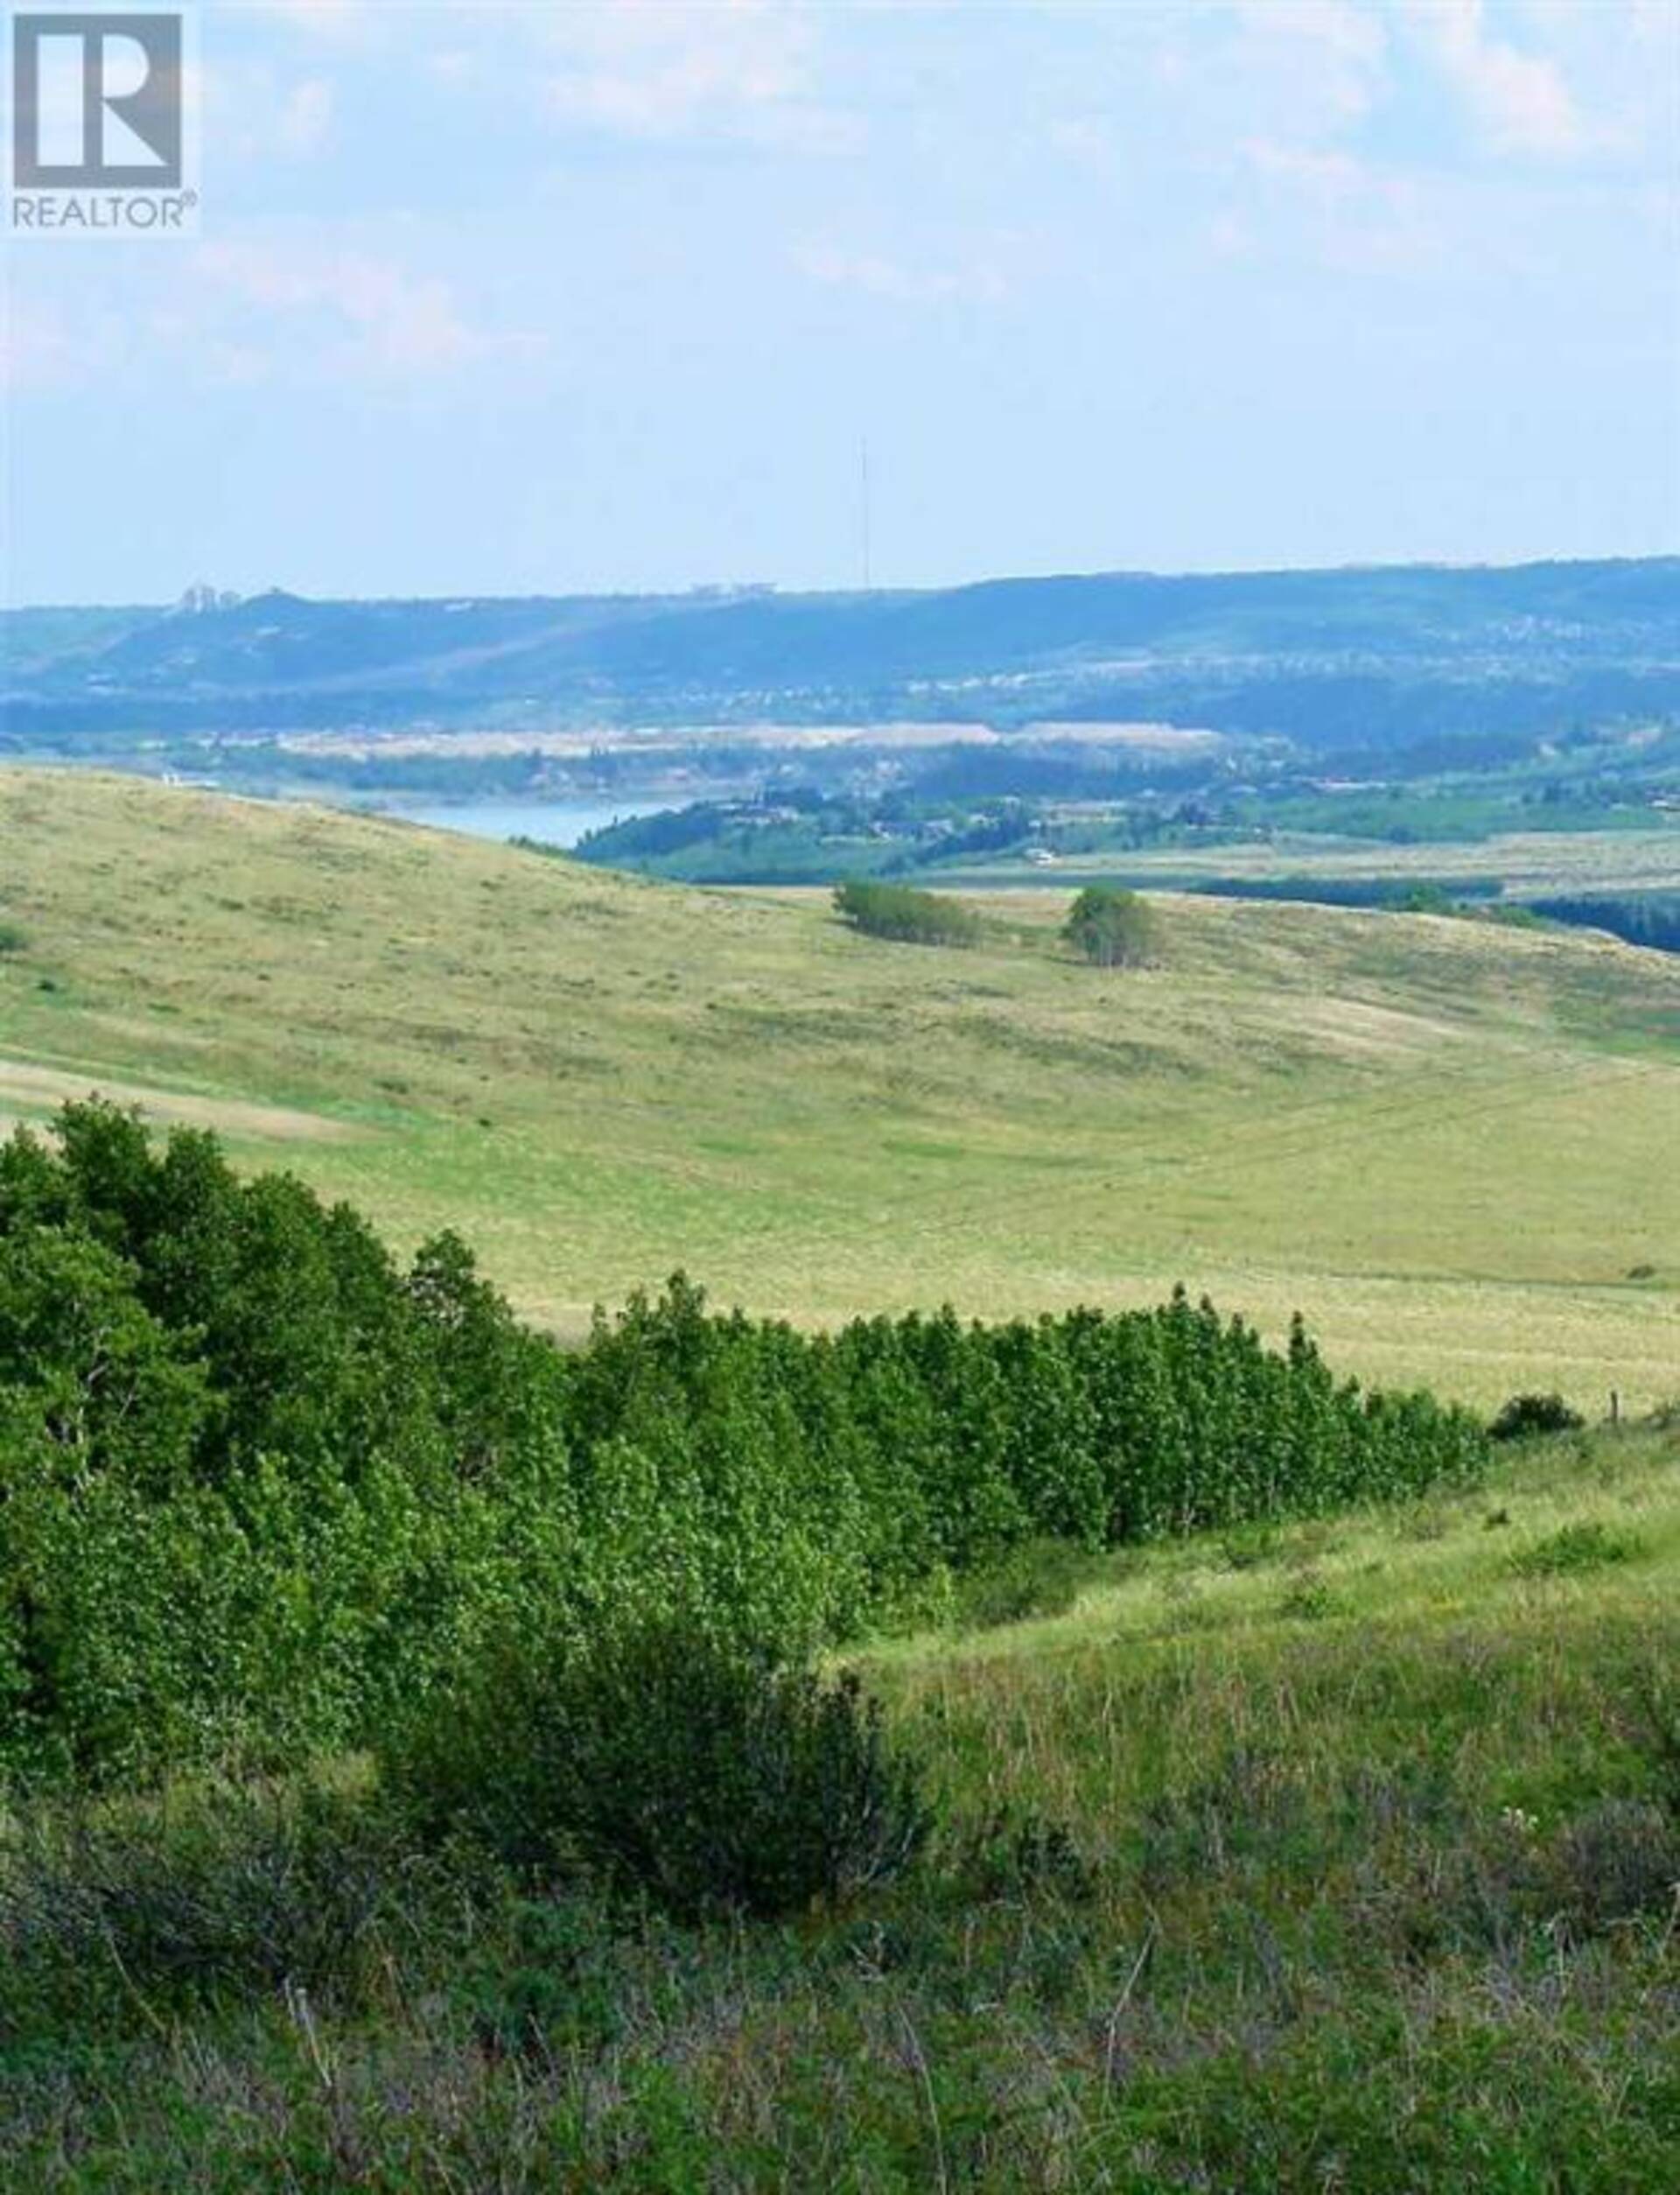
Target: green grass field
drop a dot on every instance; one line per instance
(1331, 1858)
(1635, 856)
(1451, 1145)
(1338, 1857)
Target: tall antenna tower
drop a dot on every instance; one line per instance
(863, 472)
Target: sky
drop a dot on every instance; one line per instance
(493, 299)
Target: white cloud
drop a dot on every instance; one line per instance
(1335, 50)
(39, 349)
(257, 114)
(1520, 102)
(741, 68)
(874, 274)
(452, 65)
(1621, 61)
(1328, 177)
(372, 315)
(306, 117)
(247, 313)
(340, 21)
(1361, 217)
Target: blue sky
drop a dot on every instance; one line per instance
(543, 298)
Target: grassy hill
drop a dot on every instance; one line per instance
(1338, 1857)
(1451, 1145)
(1326, 1854)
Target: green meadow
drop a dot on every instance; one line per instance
(1450, 1145)
(1339, 1854)
(1632, 852)
(1322, 1854)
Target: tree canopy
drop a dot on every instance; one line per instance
(1112, 928)
(899, 912)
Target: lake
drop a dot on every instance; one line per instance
(552, 822)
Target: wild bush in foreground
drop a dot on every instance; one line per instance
(1039, 1577)
(1272, 1909)
(159, 1906)
(1526, 1416)
(673, 1766)
(1614, 1861)
(1574, 1548)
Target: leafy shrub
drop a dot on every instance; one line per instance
(14, 938)
(238, 1892)
(1307, 1598)
(1588, 1546)
(672, 1765)
(1525, 1416)
(552, 1977)
(256, 1481)
(899, 912)
(1111, 927)
(1039, 1577)
(1614, 1861)
(1016, 1852)
(1250, 1546)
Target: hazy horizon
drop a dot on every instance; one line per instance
(933, 586)
(608, 299)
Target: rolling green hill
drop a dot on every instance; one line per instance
(1331, 1858)
(1335, 1851)
(1451, 1145)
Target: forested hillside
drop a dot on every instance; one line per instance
(1342, 662)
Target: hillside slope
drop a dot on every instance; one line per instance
(1451, 1145)
(1341, 661)
(1325, 1857)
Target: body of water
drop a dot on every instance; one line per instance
(552, 822)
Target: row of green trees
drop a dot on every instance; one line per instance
(1651, 919)
(1107, 925)
(263, 1491)
(904, 914)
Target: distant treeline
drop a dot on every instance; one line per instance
(1342, 663)
(1408, 894)
(803, 834)
(667, 831)
(1638, 918)
(263, 1489)
(1041, 770)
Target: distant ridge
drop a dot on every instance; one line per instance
(1335, 659)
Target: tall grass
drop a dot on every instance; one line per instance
(1217, 1901)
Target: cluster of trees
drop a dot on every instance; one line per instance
(1651, 918)
(1112, 928)
(262, 1490)
(899, 912)
(1109, 927)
